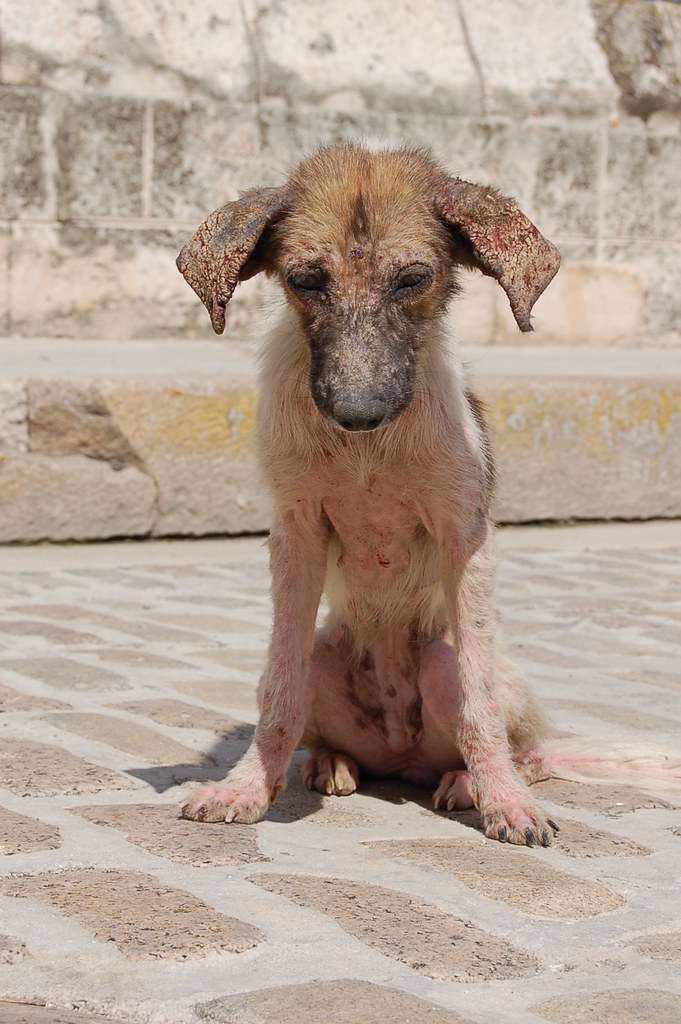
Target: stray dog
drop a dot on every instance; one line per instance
(378, 460)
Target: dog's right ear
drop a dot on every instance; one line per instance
(223, 250)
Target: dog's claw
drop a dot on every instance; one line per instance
(503, 834)
(530, 837)
(553, 825)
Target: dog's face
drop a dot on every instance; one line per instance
(365, 243)
(368, 267)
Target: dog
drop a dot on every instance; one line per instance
(378, 459)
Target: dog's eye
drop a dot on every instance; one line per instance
(411, 278)
(307, 282)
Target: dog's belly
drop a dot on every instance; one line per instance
(371, 709)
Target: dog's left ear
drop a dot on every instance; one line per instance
(223, 250)
(501, 241)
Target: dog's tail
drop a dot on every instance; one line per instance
(589, 760)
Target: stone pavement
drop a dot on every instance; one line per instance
(128, 673)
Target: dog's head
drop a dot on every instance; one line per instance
(365, 242)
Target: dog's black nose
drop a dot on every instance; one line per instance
(359, 414)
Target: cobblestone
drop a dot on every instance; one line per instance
(131, 677)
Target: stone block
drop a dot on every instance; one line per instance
(13, 416)
(114, 283)
(5, 248)
(73, 498)
(565, 197)
(71, 418)
(23, 187)
(209, 46)
(347, 61)
(37, 38)
(641, 201)
(101, 283)
(198, 447)
(203, 155)
(99, 153)
(588, 304)
(654, 269)
(618, 445)
(547, 69)
(640, 42)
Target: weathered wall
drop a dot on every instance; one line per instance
(123, 122)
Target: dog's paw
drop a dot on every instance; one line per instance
(455, 792)
(333, 774)
(521, 825)
(230, 803)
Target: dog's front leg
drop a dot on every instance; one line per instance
(298, 562)
(508, 810)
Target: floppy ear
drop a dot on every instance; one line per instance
(501, 242)
(218, 255)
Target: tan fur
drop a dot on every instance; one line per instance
(390, 519)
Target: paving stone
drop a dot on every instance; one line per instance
(37, 1013)
(224, 693)
(131, 737)
(12, 700)
(207, 623)
(518, 878)
(55, 634)
(177, 712)
(345, 1001)
(40, 769)
(137, 658)
(614, 1006)
(406, 928)
(12, 951)
(159, 829)
(665, 946)
(66, 674)
(579, 840)
(641, 721)
(546, 656)
(145, 919)
(652, 678)
(21, 834)
(605, 799)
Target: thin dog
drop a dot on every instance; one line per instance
(377, 457)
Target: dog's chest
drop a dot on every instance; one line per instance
(374, 517)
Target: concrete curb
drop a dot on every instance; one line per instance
(155, 438)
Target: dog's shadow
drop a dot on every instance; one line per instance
(295, 801)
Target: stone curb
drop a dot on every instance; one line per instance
(135, 439)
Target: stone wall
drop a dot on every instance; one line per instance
(123, 122)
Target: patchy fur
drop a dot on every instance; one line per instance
(376, 454)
